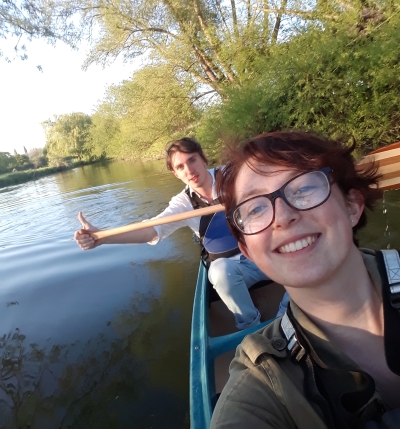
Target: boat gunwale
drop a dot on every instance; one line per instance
(204, 349)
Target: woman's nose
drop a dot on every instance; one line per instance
(284, 214)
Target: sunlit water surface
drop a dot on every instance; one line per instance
(101, 338)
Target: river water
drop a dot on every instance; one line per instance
(101, 338)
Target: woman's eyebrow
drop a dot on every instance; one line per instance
(252, 193)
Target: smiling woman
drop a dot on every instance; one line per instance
(309, 202)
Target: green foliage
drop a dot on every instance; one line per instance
(225, 71)
(28, 19)
(21, 159)
(37, 157)
(17, 177)
(68, 135)
(7, 162)
(141, 115)
(333, 81)
(216, 43)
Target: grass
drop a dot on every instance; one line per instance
(18, 177)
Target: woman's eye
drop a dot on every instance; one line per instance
(304, 191)
(256, 210)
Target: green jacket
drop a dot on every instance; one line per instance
(266, 388)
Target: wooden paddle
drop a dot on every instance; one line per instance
(159, 221)
(388, 159)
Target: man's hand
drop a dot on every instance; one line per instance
(83, 239)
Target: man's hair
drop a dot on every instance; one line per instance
(302, 151)
(185, 145)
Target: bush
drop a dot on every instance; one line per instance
(327, 81)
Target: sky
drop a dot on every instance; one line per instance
(29, 96)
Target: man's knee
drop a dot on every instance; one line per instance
(221, 271)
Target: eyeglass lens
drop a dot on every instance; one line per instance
(301, 193)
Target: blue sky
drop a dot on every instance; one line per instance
(29, 97)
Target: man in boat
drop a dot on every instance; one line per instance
(332, 361)
(231, 273)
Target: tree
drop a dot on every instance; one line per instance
(7, 162)
(28, 19)
(215, 42)
(346, 86)
(218, 43)
(68, 135)
(142, 114)
(37, 157)
(20, 159)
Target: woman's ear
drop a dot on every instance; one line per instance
(355, 205)
(243, 249)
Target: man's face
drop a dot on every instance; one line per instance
(190, 168)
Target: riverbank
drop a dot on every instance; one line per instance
(19, 177)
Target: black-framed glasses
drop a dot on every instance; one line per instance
(302, 192)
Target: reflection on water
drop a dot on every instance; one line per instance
(382, 231)
(101, 338)
(132, 374)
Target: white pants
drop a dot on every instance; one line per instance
(231, 278)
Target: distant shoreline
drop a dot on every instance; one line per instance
(18, 177)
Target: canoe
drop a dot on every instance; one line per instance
(214, 339)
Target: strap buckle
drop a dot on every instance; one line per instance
(395, 296)
(392, 264)
(288, 331)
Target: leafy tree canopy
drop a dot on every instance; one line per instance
(68, 135)
(342, 81)
(217, 42)
(143, 113)
(28, 19)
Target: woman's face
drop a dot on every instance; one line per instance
(300, 248)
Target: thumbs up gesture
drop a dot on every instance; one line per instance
(83, 237)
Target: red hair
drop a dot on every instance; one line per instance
(302, 151)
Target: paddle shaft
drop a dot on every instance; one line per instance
(159, 221)
(389, 166)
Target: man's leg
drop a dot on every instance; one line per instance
(231, 278)
(253, 274)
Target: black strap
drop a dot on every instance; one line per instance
(342, 409)
(389, 266)
(198, 202)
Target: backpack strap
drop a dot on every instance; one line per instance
(288, 331)
(392, 265)
(196, 201)
(389, 268)
(341, 409)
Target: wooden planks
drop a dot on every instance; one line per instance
(388, 160)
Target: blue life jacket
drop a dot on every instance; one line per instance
(216, 238)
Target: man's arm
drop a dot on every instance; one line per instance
(86, 241)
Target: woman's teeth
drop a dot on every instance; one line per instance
(297, 245)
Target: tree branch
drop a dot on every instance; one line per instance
(306, 15)
(275, 32)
